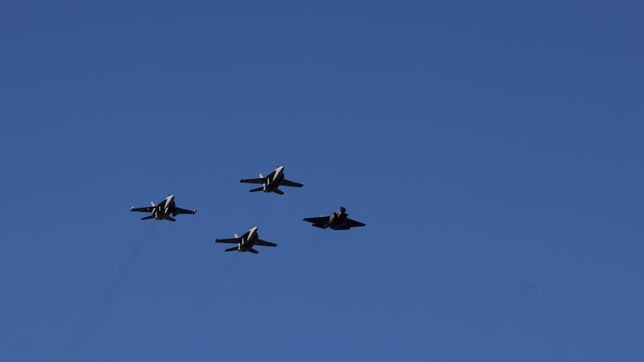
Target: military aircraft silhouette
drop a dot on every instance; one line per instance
(246, 241)
(271, 182)
(339, 220)
(164, 210)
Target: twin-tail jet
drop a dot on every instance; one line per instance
(246, 242)
(271, 182)
(164, 210)
(339, 220)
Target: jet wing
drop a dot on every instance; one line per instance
(264, 243)
(142, 209)
(318, 220)
(260, 181)
(290, 183)
(229, 241)
(179, 210)
(352, 223)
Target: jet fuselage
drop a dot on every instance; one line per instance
(273, 179)
(248, 240)
(165, 208)
(338, 217)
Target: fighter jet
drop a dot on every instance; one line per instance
(271, 182)
(164, 210)
(339, 220)
(246, 241)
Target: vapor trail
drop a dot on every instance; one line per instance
(108, 295)
(214, 282)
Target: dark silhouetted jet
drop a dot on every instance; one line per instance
(271, 182)
(246, 241)
(339, 220)
(164, 210)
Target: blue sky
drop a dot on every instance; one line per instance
(494, 151)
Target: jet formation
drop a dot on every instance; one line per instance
(167, 209)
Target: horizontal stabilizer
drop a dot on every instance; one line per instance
(257, 189)
(170, 218)
(278, 191)
(234, 248)
(253, 251)
(148, 217)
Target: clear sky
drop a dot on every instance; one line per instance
(494, 150)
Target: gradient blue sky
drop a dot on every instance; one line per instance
(493, 148)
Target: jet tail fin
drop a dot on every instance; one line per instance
(257, 189)
(234, 248)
